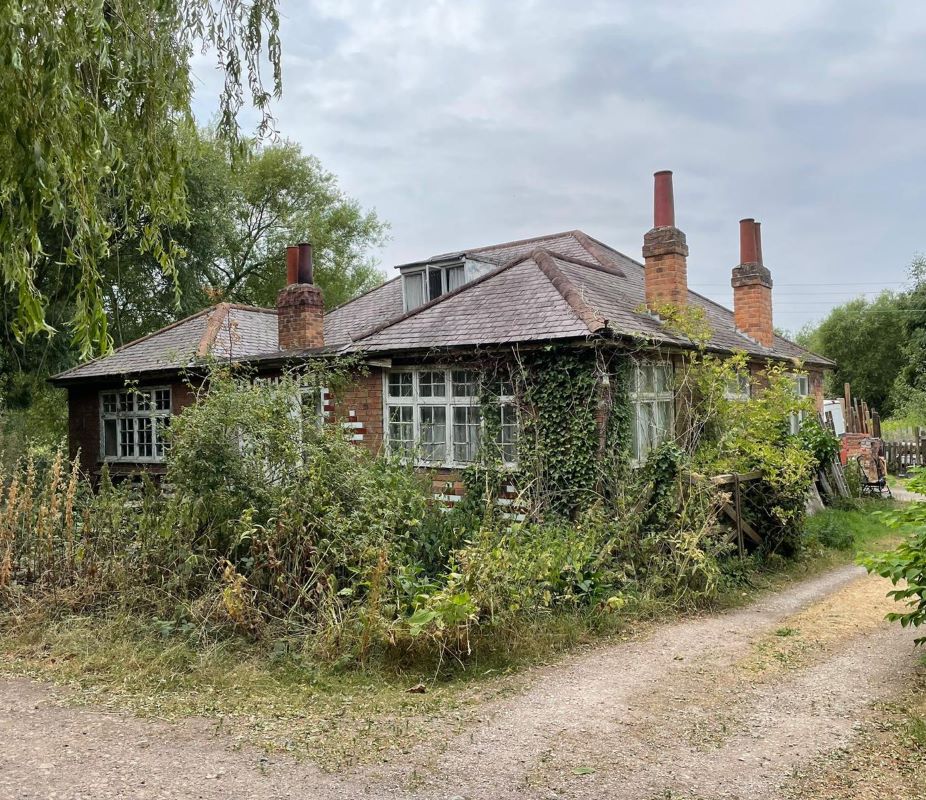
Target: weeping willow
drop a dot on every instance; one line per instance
(95, 96)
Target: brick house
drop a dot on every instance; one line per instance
(415, 333)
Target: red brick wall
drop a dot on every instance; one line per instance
(752, 311)
(84, 424)
(359, 406)
(666, 267)
(301, 317)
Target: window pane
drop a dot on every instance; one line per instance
(465, 383)
(126, 401)
(160, 428)
(143, 401)
(401, 429)
(110, 440)
(435, 284)
(663, 422)
(126, 437)
(454, 278)
(109, 404)
(400, 384)
(145, 438)
(508, 434)
(646, 425)
(414, 290)
(162, 399)
(432, 384)
(648, 379)
(433, 429)
(466, 431)
(663, 378)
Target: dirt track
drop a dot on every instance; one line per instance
(720, 706)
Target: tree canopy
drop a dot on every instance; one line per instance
(865, 339)
(96, 102)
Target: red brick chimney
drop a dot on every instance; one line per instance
(752, 287)
(665, 251)
(300, 308)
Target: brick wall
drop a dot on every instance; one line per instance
(665, 278)
(301, 317)
(752, 302)
(359, 407)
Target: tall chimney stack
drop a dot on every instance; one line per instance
(752, 287)
(665, 251)
(300, 306)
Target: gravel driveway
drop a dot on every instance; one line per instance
(725, 705)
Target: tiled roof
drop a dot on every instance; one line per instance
(222, 331)
(562, 286)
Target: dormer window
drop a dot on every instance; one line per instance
(430, 282)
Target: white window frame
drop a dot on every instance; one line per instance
(129, 417)
(416, 401)
(424, 272)
(638, 398)
(802, 388)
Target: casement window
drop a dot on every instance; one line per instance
(737, 388)
(429, 283)
(802, 388)
(653, 400)
(434, 417)
(133, 424)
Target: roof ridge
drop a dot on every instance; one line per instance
(430, 304)
(514, 242)
(213, 326)
(139, 340)
(606, 268)
(545, 260)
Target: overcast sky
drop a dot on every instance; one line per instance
(470, 122)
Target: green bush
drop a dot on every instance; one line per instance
(905, 566)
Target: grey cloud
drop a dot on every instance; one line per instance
(469, 123)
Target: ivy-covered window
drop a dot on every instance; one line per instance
(434, 416)
(653, 399)
(132, 424)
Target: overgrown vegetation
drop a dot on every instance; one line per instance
(906, 565)
(278, 529)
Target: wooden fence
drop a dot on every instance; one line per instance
(904, 454)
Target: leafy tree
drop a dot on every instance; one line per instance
(277, 196)
(244, 211)
(865, 339)
(96, 95)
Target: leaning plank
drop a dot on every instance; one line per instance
(730, 511)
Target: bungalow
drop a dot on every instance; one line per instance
(419, 336)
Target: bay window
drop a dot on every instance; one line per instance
(133, 424)
(652, 398)
(435, 417)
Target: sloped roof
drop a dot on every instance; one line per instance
(560, 286)
(226, 331)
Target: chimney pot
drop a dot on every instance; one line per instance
(759, 243)
(748, 241)
(306, 268)
(300, 306)
(752, 287)
(665, 251)
(663, 200)
(292, 265)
